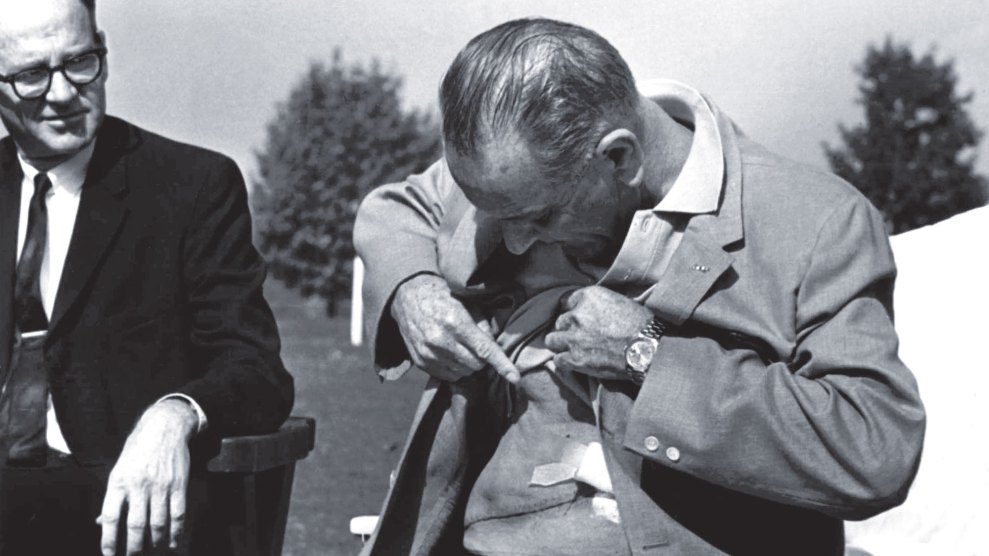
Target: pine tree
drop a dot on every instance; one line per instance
(914, 155)
(341, 132)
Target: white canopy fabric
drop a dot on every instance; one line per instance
(941, 307)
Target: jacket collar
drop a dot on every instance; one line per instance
(698, 185)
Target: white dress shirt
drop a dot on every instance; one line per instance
(62, 203)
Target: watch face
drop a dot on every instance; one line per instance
(639, 354)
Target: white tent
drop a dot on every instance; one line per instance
(942, 306)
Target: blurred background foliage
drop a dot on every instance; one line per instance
(342, 131)
(914, 155)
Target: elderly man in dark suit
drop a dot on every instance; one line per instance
(131, 312)
(646, 333)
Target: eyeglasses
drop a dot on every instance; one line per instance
(34, 83)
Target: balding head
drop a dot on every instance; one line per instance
(552, 83)
(20, 17)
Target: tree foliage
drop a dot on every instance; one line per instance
(341, 132)
(914, 155)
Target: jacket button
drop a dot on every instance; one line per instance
(673, 454)
(652, 443)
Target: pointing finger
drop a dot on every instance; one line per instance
(503, 365)
(485, 327)
(488, 350)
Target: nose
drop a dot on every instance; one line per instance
(519, 236)
(61, 90)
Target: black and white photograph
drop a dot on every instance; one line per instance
(313, 278)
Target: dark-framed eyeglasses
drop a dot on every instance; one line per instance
(34, 83)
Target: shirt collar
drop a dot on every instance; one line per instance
(697, 188)
(68, 175)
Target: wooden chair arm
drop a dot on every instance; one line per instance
(252, 454)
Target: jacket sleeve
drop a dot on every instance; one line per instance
(837, 427)
(395, 235)
(242, 385)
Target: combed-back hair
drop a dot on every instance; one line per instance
(549, 81)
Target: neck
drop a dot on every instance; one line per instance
(666, 146)
(46, 163)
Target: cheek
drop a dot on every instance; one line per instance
(13, 111)
(94, 97)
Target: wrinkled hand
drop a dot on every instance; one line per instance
(590, 335)
(147, 486)
(442, 337)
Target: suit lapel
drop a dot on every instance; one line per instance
(102, 209)
(701, 259)
(10, 201)
(693, 270)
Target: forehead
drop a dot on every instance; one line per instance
(503, 179)
(38, 29)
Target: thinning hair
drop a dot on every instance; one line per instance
(551, 82)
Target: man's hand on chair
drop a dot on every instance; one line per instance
(146, 492)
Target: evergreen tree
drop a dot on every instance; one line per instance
(341, 132)
(914, 155)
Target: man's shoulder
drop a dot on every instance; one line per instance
(773, 184)
(165, 154)
(8, 153)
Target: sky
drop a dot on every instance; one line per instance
(213, 72)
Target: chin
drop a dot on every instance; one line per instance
(64, 144)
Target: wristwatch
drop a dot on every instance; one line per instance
(639, 352)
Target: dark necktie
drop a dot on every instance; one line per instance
(24, 393)
(28, 309)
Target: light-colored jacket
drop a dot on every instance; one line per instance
(775, 408)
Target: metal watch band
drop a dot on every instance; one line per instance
(651, 332)
(654, 329)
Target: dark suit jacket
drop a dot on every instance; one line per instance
(161, 293)
(778, 385)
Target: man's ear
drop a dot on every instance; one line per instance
(620, 153)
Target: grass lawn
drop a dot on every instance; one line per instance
(360, 425)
